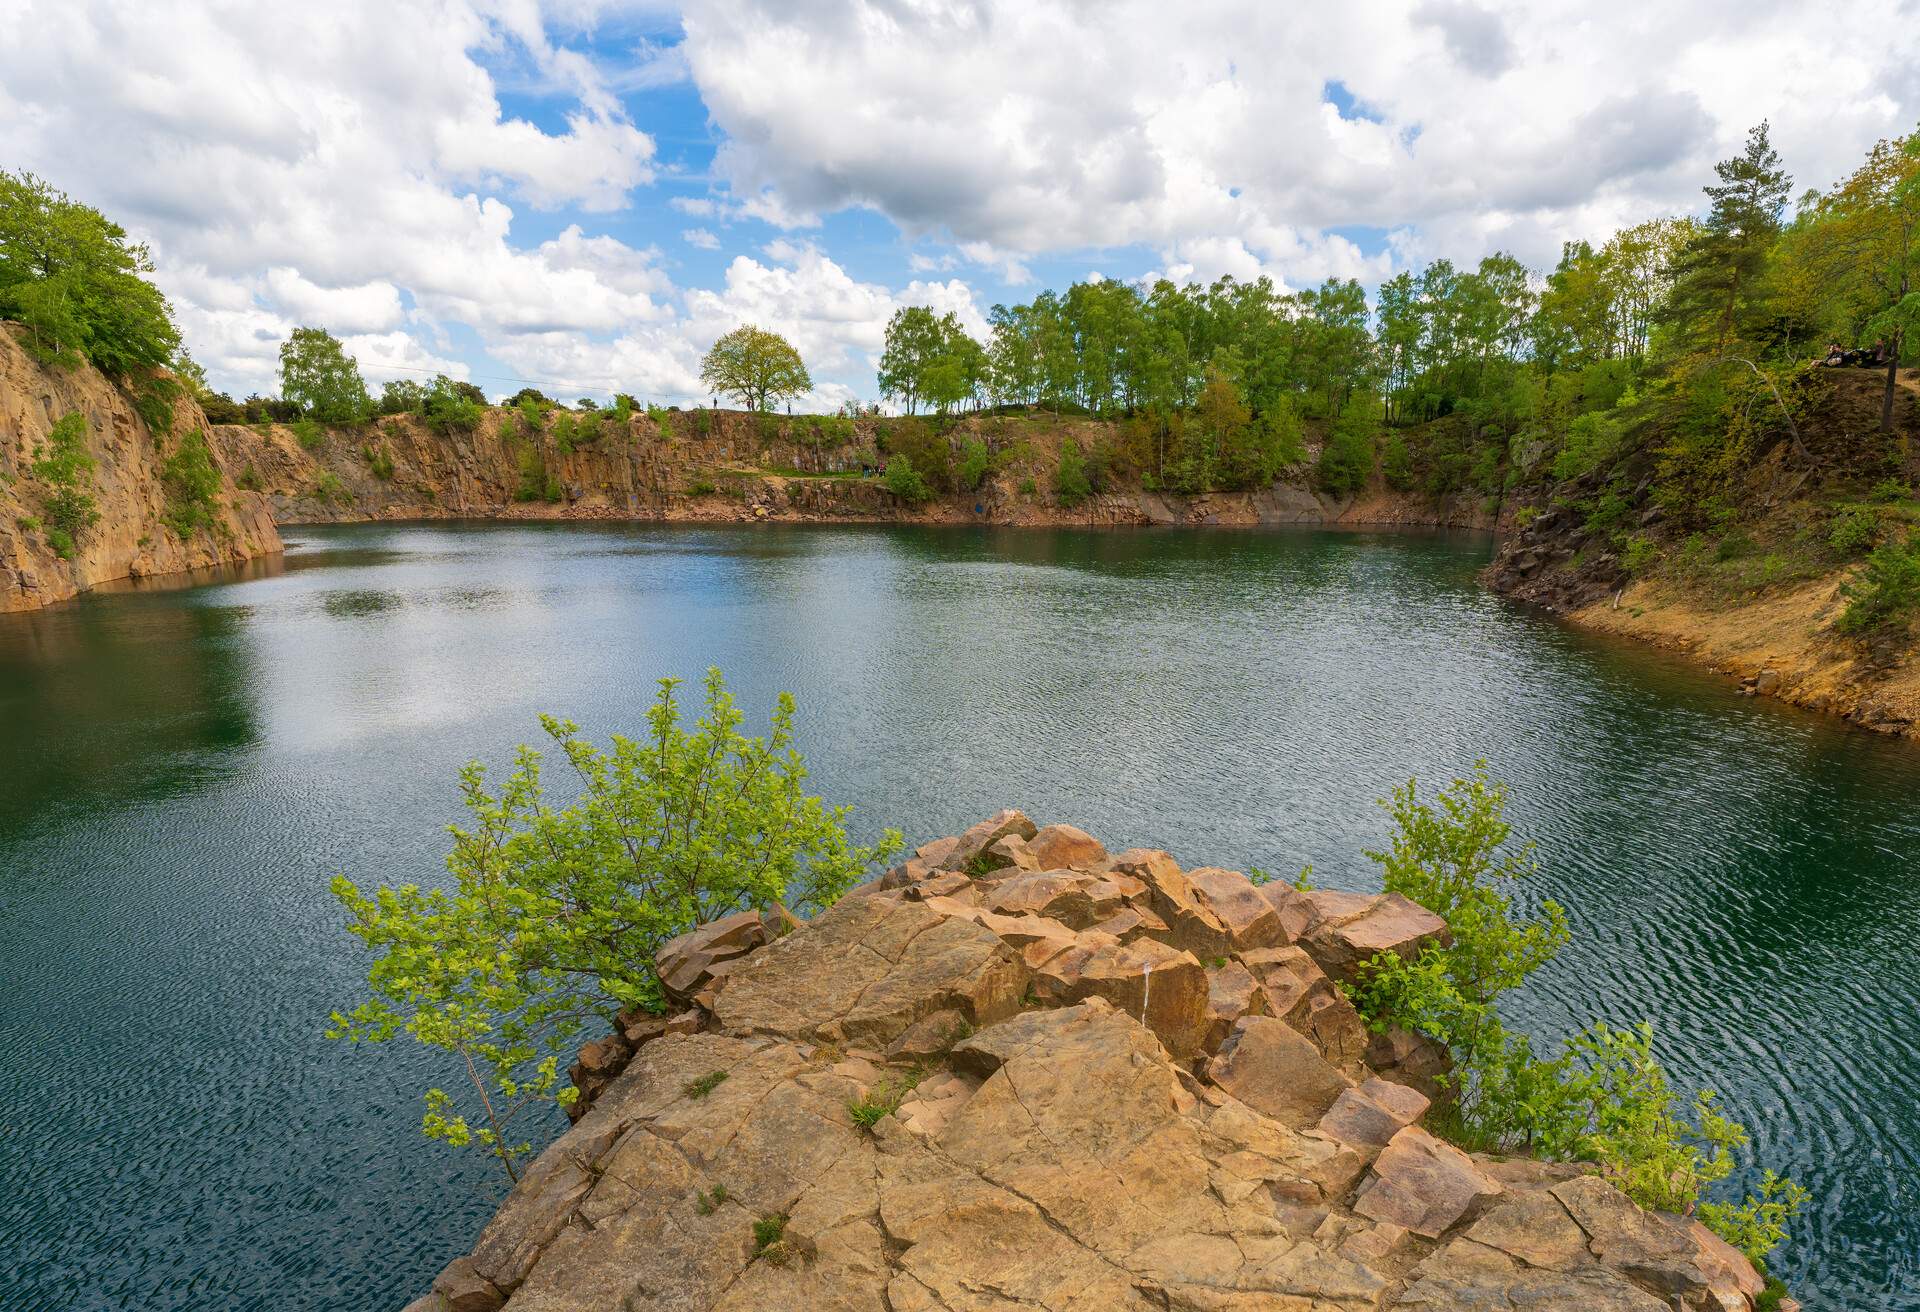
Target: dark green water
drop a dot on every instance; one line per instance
(181, 772)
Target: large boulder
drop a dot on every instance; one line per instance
(1297, 991)
(685, 963)
(1162, 988)
(1341, 941)
(1424, 1185)
(973, 844)
(1248, 918)
(1058, 847)
(1191, 924)
(1277, 1071)
(867, 970)
(1071, 897)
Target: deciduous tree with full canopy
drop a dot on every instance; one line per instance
(77, 283)
(757, 366)
(318, 375)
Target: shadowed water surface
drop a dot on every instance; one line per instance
(182, 771)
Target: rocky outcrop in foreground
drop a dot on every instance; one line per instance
(1022, 1072)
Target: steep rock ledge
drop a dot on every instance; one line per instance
(1113, 1084)
(1780, 645)
(130, 538)
(725, 465)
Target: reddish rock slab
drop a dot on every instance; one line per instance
(1299, 992)
(1249, 919)
(1276, 1070)
(1231, 994)
(1424, 1185)
(1191, 924)
(1369, 1116)
(1071, 897)
(1061, 847)
(1162, 988)
(1389, 923)
(977, 840)
(683, 962)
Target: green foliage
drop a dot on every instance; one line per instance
(531, 412)
(328, 487)
(906, 482)
(537, 482)
(1638, 556)
(154, 404)
(192, 485)
(976, 462)
(884, 1098)
(1396, 464)
(1071, 486)
(1758, 1225)
(1592, 440)
(78, 285)
(403, 396)
(63, 466)
(1885, 596)
(767, 1232)
(1855, 530)
(931, 360)
(705, 1085)
(379, 461)
(308, 434)
(249, 480)
(1453, 861)
(757, 366)
(449, 405)
(1346, 461)
(318, 375)
(1605, 1099)
(708, 1201)
(556, 911)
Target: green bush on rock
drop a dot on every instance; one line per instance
(556, 912)
(1605, 1099)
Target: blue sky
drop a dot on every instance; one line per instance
(591, 191)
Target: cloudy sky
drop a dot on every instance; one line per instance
(586, 194)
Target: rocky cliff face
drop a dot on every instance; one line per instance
(728, 465)
(1078, 1081)
(130, 538)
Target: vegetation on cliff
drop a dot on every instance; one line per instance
(557, 912)
(1605, 1098)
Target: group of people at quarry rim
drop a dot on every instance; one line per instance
(1864, 357)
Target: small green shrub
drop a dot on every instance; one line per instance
(768, 1231)
(708, 1201)
(702, 487)
(154, 405)
(1071, 485)
(705, 1085)
(64, 466)
(308, 434)
(328, 487)
(1854, 531)
(1028, 487)
(249, 480)
(976, 461)
(1605, 1099)
(1885, 596)
(1638, 555)
(905, 482)
(379, 461)
(884, 1098)
(1890, 489)
(191, 482)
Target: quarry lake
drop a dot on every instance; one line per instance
(183, 769)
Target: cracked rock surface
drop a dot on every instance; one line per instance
(1069, 1120)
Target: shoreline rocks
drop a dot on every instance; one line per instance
(1064, 1107)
